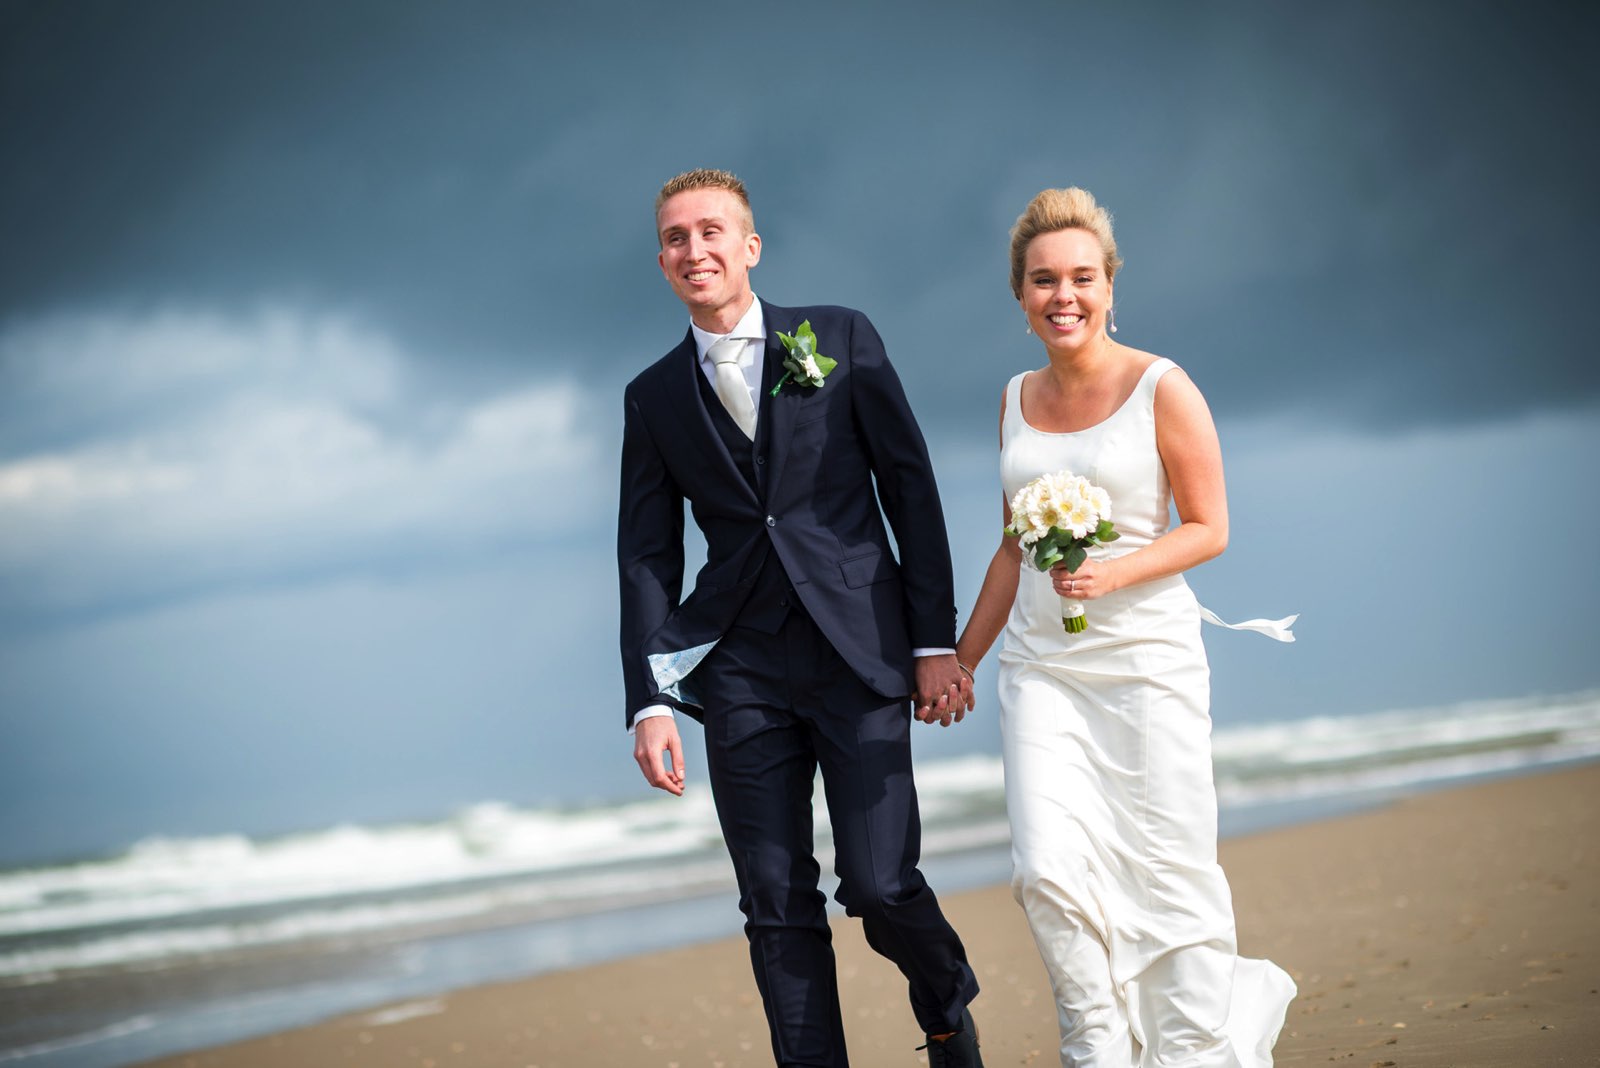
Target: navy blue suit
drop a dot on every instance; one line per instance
(794, 650)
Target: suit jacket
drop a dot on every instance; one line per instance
(820, 451)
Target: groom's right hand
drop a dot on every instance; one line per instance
(944, 691)
(652, 737)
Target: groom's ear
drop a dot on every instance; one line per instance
(752, 244)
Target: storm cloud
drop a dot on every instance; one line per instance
(1378, 214)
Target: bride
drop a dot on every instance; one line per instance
(1106, 733)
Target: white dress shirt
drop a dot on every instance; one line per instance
(752, 325)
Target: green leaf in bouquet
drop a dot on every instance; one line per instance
(1075, 557)
(1105, 531)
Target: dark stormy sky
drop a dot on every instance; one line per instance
(314, 320)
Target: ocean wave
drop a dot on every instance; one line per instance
(177, 898)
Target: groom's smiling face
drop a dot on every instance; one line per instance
(707, 250)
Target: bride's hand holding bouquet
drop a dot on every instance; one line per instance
(1057, 518)
(1092, 579)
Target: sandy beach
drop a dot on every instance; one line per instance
(1459, 928)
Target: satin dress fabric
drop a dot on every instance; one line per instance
(1107, 746)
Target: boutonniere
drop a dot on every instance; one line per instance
(803, 363)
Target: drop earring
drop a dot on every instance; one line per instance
(1111, 319)
(1027, 327)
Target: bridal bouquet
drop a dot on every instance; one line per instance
(1058, 517)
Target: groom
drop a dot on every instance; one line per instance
(803, 639)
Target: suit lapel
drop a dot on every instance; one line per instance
(779, 411)
(686, 400)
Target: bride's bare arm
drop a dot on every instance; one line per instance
(1187, 441)
(999, 588)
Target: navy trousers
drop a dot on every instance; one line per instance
(777, 707)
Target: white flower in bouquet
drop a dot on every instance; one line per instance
(1056, 518)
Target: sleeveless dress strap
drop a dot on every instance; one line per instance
(1013, 417)
(1152, 377)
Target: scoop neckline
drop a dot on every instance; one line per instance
(1092, 426)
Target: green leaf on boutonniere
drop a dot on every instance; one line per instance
(803, 363)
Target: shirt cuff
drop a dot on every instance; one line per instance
(922, 652)
(650, 712)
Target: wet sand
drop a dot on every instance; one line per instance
(1460, 928)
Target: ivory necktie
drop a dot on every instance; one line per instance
(732, 389)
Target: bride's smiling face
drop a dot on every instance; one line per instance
(1065, 289)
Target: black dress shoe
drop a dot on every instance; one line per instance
(960, 1050)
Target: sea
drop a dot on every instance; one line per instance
(180, 943)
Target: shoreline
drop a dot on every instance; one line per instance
(1459, 927)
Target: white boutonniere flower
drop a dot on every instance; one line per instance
(803, 363)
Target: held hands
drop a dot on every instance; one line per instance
(944, 696)
(944, 691)
(650, 737)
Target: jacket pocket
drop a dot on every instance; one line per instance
(865, 570)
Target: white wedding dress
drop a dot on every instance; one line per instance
(1107, 743)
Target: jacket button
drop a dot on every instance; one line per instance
(772, 520)
(760, 460)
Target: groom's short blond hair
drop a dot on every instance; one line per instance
(706, 178)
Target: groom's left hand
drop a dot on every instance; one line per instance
(944, 693)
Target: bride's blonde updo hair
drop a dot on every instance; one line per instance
(1061, 209)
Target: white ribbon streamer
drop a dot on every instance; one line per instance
(1276, 629)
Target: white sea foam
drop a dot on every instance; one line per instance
(1329, 756)
(410, 1010)
(177, 898)
(121, 1029)
(161, 878)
